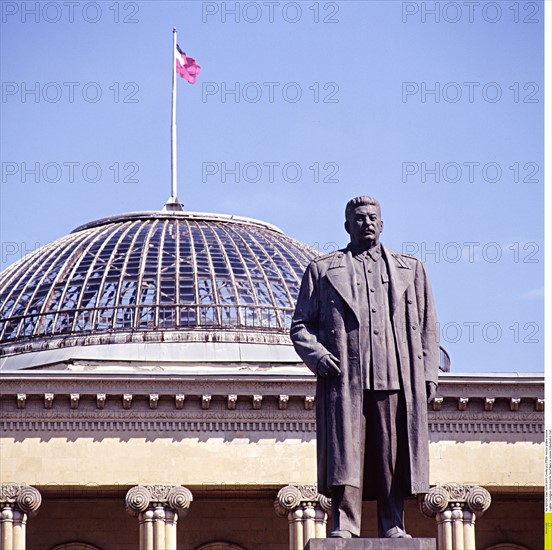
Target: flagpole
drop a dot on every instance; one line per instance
(173, 198)
(187, 69)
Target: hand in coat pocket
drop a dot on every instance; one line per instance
(328, 366)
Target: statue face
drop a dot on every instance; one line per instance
(364, 225)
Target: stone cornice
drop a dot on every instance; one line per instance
(67, 401)
(162, 384)
(450, 384)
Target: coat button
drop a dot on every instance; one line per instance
(332, 331)
(419, 355)
(372, 290)
(414, 327)
(369, 271)
(374, 310)
(409, 301)
(376, 331)
(331, 301)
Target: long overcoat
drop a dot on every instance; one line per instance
(326, 320)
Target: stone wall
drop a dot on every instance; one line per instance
(131, 459)
(103, 522)
(251, 522)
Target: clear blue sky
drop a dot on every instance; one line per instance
(331, 100)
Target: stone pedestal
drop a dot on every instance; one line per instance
(371, 544)
(157, 508)
(306, 511)
(455, 508)
(17, 502)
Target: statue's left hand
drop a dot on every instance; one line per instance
(431, 390)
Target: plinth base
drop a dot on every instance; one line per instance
(371, 544)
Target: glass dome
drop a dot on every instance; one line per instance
(145, 275)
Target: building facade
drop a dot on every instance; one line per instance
(151, 398)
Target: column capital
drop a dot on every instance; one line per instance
(292, 496)
(456, 495)
(306, 510)
(176, 497)
(24, 497)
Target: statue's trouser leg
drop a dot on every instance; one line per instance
(346, 509)
(384, 453)
(386, 457)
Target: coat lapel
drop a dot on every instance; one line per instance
(341, 275)
(400, 277)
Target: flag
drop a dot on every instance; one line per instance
(186, 67)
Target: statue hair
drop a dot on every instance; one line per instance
(360, 201)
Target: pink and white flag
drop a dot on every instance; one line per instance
(186, 67)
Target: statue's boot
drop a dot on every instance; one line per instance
(341, 534)
(397, 533)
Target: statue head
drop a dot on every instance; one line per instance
(363, 221)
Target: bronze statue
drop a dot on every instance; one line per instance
(365, 324)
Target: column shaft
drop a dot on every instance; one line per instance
(7, 528)
(320, 519)
(296, 529)
(457, 529)
(445, 535)
(440, 534)
(170, 529)
(141, 529)
(469, 530)
(309, 526)
(159, 529)
(146, 530)
(19, 522)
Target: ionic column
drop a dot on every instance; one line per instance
(307, 513)
(17, 503)
(455, 508)
(158, 508)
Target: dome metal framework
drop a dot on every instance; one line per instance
(155, 271)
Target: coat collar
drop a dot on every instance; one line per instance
(374, 253)
(342, 276)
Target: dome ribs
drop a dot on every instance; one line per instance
(154, 277)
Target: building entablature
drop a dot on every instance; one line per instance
(498, 405)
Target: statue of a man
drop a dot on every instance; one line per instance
(365, 324)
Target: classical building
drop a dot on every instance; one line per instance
(150, 398)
